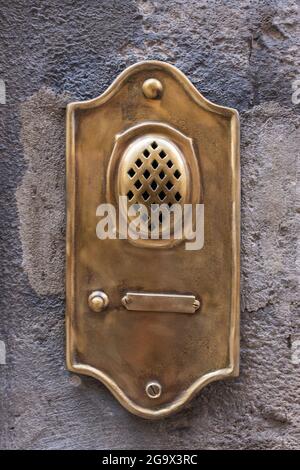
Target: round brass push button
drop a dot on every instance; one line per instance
(97, 301)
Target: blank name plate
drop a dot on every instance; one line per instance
(160, 302)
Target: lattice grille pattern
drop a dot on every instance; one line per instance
(154, 177)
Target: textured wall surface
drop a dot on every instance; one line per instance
(243, 54)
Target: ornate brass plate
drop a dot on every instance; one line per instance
(153, 321)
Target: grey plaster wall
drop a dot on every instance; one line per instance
(243, 54)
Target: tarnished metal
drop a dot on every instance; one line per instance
(153, 163)
(152, 357)
(153, 171)
(153, 390)
(160, 302)
(98, 301)
(152, 88)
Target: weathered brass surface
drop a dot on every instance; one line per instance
(98, 301)
(153, 390)
(160, 302)
(152, 88)
(153, 362)
(154, 164)
(144, 172)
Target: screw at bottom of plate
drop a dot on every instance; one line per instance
(153, 389)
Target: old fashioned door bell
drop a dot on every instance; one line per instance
(153, 203)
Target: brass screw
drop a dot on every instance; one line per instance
(152, 88)
(153, 389)
(97, 301)
(126, 300)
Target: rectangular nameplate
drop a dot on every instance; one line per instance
(147, 302)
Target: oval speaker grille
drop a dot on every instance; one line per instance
(152, 171)
(154, 166)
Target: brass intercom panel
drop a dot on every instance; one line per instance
(151, 313)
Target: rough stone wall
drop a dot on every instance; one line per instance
(243, 54)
